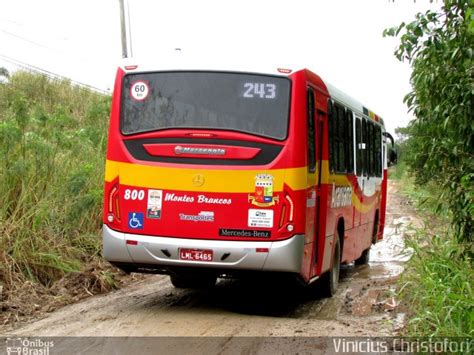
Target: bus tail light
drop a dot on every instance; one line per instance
(111, 198)
(282, 216)
(292, 207)
(113, 208)
(201, 135)
(287, 214)
(290, 226)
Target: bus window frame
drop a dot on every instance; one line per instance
(311, 131)
(349, 135)
(359, 161)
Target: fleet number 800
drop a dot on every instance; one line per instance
(134, 195)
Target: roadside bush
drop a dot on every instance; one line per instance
(437, 283)
(438, 286)
(440, 139)
(52, 140)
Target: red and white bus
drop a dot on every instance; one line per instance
(213, 172)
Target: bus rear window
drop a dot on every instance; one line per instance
(255, 104)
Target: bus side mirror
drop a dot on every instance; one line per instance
(392, 154)
(392, 157)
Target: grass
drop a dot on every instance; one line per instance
(53, 141)
(438, 282)
(426, 198)
(438, 285)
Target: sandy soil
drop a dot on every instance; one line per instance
(363, 306)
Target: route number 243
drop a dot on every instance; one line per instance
(134, 195)
(261, 90)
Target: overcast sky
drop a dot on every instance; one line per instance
(341, 40)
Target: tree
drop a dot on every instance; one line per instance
(4, 74)
(439, 46)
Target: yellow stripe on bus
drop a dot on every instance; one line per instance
(341, 180)
(231, 181)
(182, 179)
(361, 207)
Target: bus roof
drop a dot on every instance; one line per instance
(180, 64)
(352, 103)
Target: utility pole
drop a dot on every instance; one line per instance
(125, 31)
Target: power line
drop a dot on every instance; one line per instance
(27, 40)
(68, 54)
(49, 74)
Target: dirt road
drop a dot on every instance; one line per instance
(363, 306)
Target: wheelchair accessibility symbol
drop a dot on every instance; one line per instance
(135, 220)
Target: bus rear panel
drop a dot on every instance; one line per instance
(199, 174)
(213, 173)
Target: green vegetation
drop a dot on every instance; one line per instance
(52, 143)
(438, 153)
(438, 282)
(438, 286)
(440, 140)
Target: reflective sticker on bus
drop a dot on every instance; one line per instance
(263, 196)
(135, 220)
(213, 201)
(203, 216)
(260, 218)
(139, 90)
(311, 199)
(201, 199)
(341, 196)
(155, 198)
(172, 197)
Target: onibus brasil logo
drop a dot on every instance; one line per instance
(27, 346)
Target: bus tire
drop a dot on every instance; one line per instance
(364, 258)
(330, 279)
(193, 281)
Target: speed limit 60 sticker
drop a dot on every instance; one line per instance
(139, 90)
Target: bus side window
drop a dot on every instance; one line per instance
(340, 139)
(349, 142)
(332, 134)
(365, 147)
(372, 148)
(378, 150)
(310, 133)
(359, 150)
(369, 154)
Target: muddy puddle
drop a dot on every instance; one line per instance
(366, 290)
(387, 257)
(369, 290)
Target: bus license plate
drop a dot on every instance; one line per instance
(195, 254)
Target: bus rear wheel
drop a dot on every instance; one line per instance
(364, 258)
(330, 280)
(193, 281)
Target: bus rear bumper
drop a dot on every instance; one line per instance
(163, 252)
